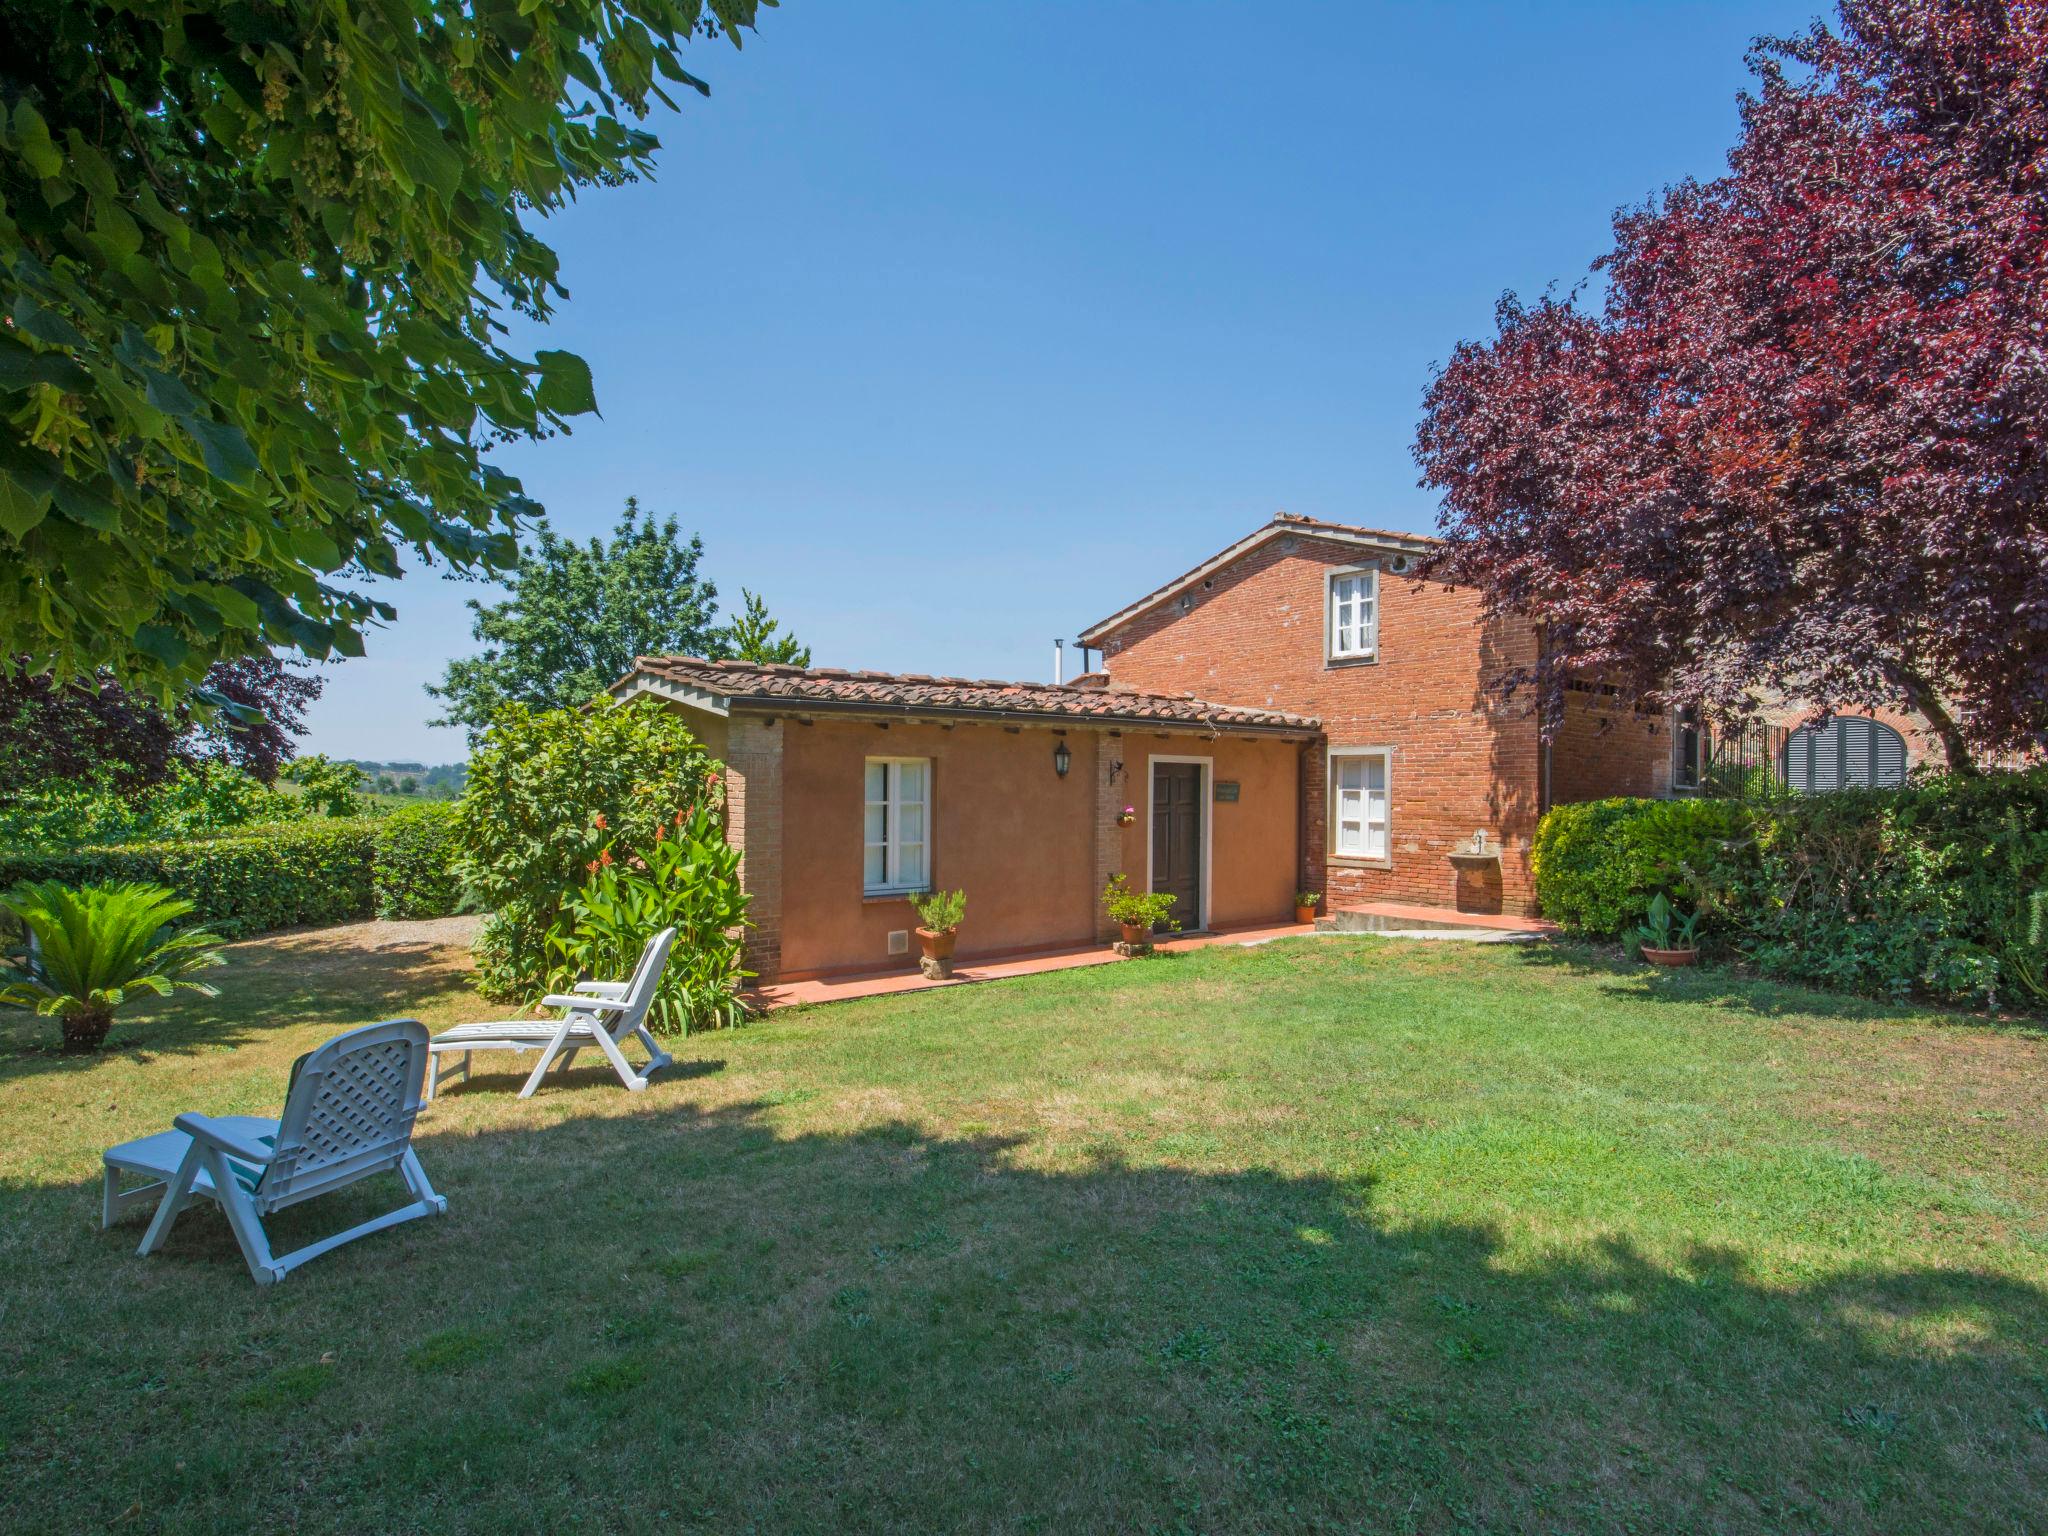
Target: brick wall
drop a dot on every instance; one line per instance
(1601, 749)
(754, 821)
(1461, 759)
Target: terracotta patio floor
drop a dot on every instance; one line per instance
(834, 989)
(1499, 922)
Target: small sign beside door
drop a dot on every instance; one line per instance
(1226, 789)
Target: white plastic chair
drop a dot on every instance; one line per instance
(348, 1115)
(601, 1014)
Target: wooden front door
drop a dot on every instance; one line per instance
(1177, 838)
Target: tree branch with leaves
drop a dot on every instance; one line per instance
(255, 261)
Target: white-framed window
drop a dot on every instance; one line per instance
(1360, 804)
(897, 826)
(1354, 604)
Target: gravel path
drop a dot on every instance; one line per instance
(389, 933)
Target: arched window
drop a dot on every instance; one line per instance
(1848, 750)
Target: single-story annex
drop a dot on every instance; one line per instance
(849, 792)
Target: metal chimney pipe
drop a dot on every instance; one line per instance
(1059, 662)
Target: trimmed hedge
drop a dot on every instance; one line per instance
(1924, 890)
(415, 857)
(1598, 864)
(280, 875)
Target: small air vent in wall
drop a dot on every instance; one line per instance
(1398, 564)
(899, 941)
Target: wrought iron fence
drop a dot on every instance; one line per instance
(1746, 766)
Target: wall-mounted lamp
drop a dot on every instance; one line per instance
(1062, 759)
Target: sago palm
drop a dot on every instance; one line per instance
(97, 945)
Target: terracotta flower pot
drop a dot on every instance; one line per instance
(1669, 957)
(938, 951)
(1137, 935)
(1305, 914)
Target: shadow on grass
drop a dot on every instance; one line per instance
(279, 981)
(1722, 983)
(884, 1331)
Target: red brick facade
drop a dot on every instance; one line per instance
(1254, 631)
(1601, 749)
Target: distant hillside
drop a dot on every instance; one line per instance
(417, 780)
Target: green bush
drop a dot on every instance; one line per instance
(1600, 863)
(197, 800)
(552, 792)
(415, 862)
(282, 875)
(1923, 890)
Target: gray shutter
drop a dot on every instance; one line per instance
(1849, 750)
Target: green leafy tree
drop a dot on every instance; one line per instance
(254, 259)
(95, 947)
(578, 615)
(752, 636)
(326, 785)
(552, 796)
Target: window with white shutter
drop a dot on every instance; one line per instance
(897, 826)
(1360, 805)
(1354, 604)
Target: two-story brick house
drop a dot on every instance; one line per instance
(1420, 758)
(1298, 712)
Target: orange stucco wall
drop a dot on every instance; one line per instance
(1027, 846)
(1007, 830)
(1251, 841)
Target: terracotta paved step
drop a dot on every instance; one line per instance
(1379, 916)
(833, 989)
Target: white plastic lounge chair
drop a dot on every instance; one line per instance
(348, 1115)
(601, 1014)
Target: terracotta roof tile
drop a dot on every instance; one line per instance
(900, 692)
(1282, 523)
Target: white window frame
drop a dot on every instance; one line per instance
(1369, 649)
(893, 883)
(1207, 792)
(1384, 860)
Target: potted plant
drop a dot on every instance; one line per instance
(1136, 913)
(938, 917)
(1666, 937)
(1127, 815)
(92, 949)
(1305, 905)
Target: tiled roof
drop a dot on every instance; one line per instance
(898, 693)
(1282, 523)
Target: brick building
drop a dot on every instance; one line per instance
(1299, 712)
(1427, 785)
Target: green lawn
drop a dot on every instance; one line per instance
(1353, 1235)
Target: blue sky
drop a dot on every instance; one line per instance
(953, 326)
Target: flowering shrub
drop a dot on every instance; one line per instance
(689, 880)
(552, 793)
